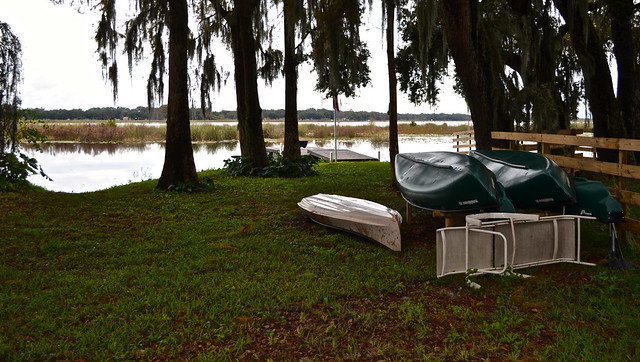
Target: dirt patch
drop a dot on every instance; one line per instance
(421, 232)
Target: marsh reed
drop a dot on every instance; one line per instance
(113, 132)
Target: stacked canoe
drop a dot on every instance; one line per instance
(499, 180)
(530, 179)
(448, 181)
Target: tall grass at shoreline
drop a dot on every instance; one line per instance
(210, 133)
(112, 132)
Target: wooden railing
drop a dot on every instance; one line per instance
(463, 141)
(579, 155)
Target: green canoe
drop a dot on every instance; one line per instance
(530, 179)
(448, 181)
(594, 199)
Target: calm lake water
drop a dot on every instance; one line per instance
(78, 167)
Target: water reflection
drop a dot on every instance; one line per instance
(82, 167)
(214, 147)
(91, 148)
(377, 144)
(114, 148)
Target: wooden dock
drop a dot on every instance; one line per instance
(327, 154)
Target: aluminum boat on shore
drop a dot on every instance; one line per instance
(362, 217)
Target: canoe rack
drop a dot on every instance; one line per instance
(493, 243)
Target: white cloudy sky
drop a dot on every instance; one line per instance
(61, 71)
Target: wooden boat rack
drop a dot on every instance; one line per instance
(495, 243)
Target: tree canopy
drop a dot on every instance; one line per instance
(526, 63)
(15, 166)
(339, 55)
(10, 77)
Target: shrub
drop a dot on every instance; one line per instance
(16, 166)
(239, 166)
(278, 167)
(281, 167)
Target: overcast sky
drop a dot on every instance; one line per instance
(61, 71)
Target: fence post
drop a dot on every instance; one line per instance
(622, 185)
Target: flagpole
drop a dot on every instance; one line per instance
(335, 136)
(335, 127)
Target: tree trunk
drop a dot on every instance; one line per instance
(482, 88)
(393, 87)
(544, 70)
(597, 76)
(621, 13)
(291, 138)
(252, 144)
(238, 77)
(179, 166)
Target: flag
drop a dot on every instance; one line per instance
(336, 104)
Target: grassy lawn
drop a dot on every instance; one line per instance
(238, 273)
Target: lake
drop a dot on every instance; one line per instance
(76, 167)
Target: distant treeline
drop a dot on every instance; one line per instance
(160, 113)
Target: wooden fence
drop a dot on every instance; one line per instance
(463, 141)
(579, 155)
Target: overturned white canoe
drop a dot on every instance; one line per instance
(363, 217)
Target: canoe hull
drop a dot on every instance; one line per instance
(446, 181)
(594, 199)
(530, 179)
(362, 217)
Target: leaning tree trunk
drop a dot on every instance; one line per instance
(291, 138)
(179, 166)
(484, 94)
(393, 91)
(252, 144)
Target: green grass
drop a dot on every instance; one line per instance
(238, 273)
